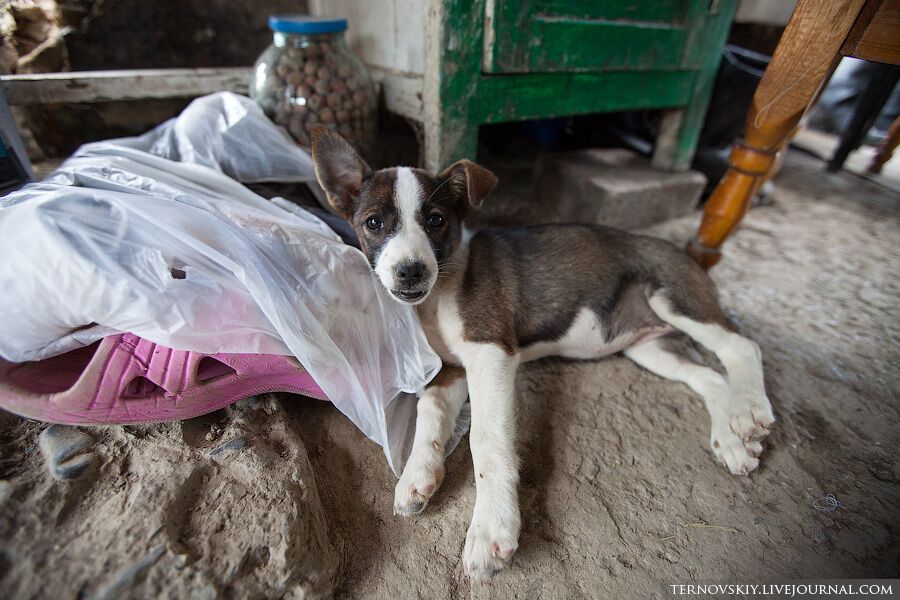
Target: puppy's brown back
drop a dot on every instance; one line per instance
(526, 285)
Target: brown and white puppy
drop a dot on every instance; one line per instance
(492, 300)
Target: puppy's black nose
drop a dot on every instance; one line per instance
(409, 273)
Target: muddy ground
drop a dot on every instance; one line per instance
(620, 494)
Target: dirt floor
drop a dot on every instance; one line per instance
(620, 494)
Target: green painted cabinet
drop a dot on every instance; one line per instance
(454, 65)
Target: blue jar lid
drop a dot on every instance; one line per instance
(306, 24)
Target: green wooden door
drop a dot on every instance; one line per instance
(547, 36)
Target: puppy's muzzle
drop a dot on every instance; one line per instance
(410, 280)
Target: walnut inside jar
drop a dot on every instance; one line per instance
(309, 79)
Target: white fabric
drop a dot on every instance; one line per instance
(89, 252)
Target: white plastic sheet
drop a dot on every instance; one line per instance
(89, 252)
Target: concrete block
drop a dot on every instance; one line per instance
(613, 187)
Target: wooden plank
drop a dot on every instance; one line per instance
(570, 35)
(543, 95)
(108, 86)
(876, 34)
(669, 11)
(592, 44)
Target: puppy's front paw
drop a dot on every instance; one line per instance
(751, 417)
(421, 478)
(489, 546)
(739, 456)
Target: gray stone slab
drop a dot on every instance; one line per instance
(614, 187)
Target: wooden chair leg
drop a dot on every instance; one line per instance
(886, 148)
(805, 56)
(779, 157)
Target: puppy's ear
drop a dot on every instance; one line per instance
(470, 180)
(339, 169)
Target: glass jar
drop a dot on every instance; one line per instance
(308, 77)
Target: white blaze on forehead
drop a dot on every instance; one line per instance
(409, 242)
(407, 196)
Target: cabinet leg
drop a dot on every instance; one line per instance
(680, 129)
(666, 151)
(453, 64)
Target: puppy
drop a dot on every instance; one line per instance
(494, 299)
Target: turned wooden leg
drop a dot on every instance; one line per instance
(805, 56)
(730, 200)
(886, 148)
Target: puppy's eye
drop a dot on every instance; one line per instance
(435, 220)
(374, 223)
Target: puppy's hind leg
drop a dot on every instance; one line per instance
(436, 414)
(750, 409)
(739, 456)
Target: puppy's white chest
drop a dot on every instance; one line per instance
(440, 321)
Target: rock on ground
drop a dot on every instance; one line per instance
(620, 494)
(614, 187)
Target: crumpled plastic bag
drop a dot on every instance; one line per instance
(90, 251)
(230, 134)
